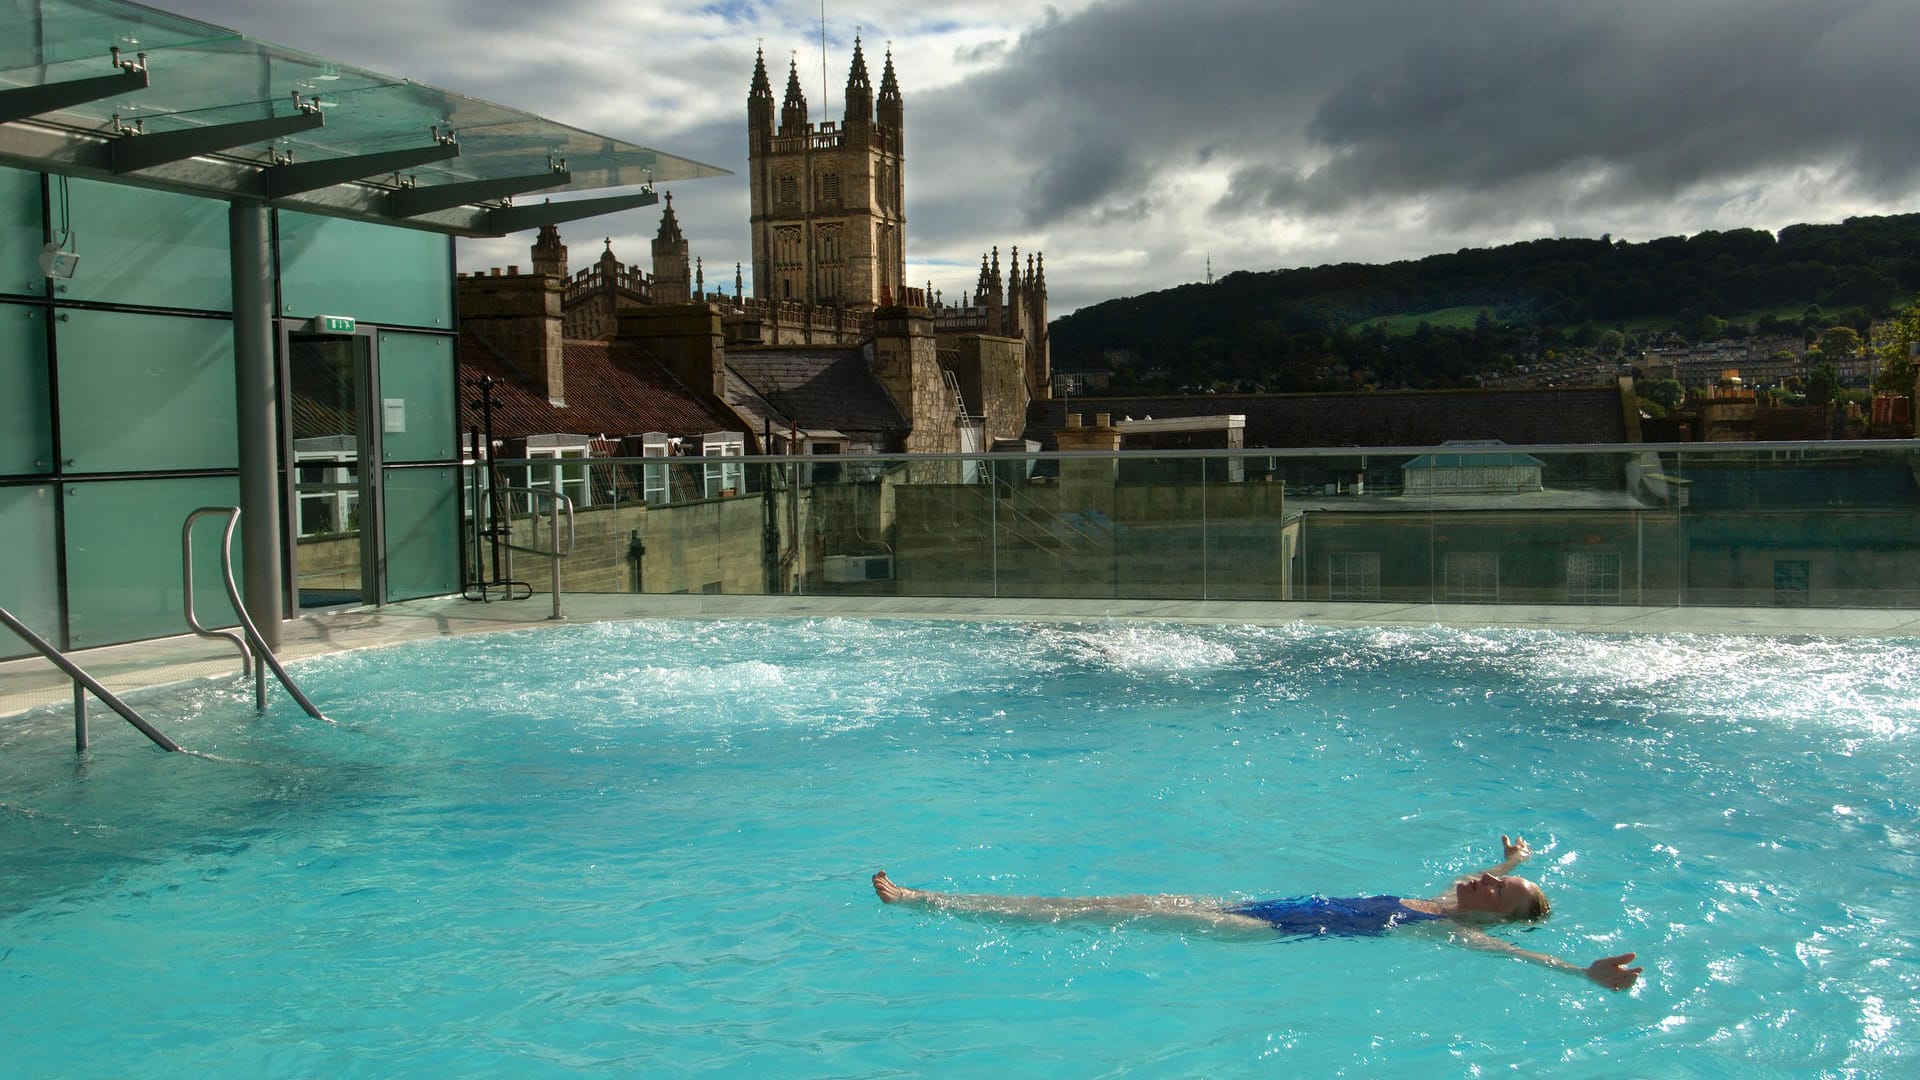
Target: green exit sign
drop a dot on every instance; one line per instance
(333, 324)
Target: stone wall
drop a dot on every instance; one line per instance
(905, 362)
(989, 369)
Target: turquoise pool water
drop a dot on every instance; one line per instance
(631, 849)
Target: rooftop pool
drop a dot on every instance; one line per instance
(644, 848)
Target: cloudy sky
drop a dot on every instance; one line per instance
(1132, 141)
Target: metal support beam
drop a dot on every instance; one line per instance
(22, 102)
(409, 202)
(296, 177)
(132, 153)
(511, 219)
(251, 255)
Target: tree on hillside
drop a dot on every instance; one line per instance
(1823, 384)
(1667, 393)
(1840, 341)
(1896, 353)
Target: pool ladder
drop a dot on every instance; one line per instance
(253, 648)
(259, 657)
(83, 682)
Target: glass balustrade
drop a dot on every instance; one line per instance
(1741, 525)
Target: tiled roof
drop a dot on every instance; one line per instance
(1556, 417)
(818, 388)
(612, 389)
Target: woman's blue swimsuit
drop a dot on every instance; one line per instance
(1346, 916)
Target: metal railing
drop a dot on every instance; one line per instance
(554, 551)
(83, 682)
(261, 655)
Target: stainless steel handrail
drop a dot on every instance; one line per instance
(186, 577)
(81, 678)
(262, 655)
(554, 552)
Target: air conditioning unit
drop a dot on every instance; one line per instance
(847, 569)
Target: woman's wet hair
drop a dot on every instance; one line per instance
(1540, 908)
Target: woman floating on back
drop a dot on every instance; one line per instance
(1493, 895)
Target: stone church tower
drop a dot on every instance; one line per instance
(829, 210)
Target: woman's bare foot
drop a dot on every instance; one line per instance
(888, 892)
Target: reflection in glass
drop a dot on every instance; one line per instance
(324, 376)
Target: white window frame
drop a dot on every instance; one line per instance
(1353, 575)
(1471, 577)
(722, 475)
(331, 465)
(655, 488)
(573, 478)
(1593, 577)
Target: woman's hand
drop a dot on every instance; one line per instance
(1516, 851)
(1613, 973)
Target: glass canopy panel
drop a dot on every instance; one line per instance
(203, 75)
(50, 32)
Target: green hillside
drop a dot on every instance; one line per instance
(1441, 320)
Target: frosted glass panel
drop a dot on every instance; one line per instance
(123, 557)
(21, 234)
(152, 248)
(146, 392)
(26, 441)
(423, 533)
(29, 588)
(373, 273)
(417, 397)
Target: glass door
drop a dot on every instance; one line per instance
(332, 503)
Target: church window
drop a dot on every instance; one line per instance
(830, 187)
(786, 247)
(788, 187)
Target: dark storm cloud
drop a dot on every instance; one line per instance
(1321, 106)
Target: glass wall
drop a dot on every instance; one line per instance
(378, 275)
(124, 579)
(142, 248)
(118, 399)
(1832, 525)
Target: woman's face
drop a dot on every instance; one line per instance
(1509, 897)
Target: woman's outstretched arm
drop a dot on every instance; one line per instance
(1515, 852)
(1611, 972)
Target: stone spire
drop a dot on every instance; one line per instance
(793, 112)
(760, 97)
(669, 226)
(890, 106)
(859, 87)
(670, 264)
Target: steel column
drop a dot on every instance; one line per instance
(251, 251)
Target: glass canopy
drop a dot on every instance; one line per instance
(201, 76)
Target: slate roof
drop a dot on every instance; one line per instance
(1547, 417)
(814, 389)
(612, 389)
